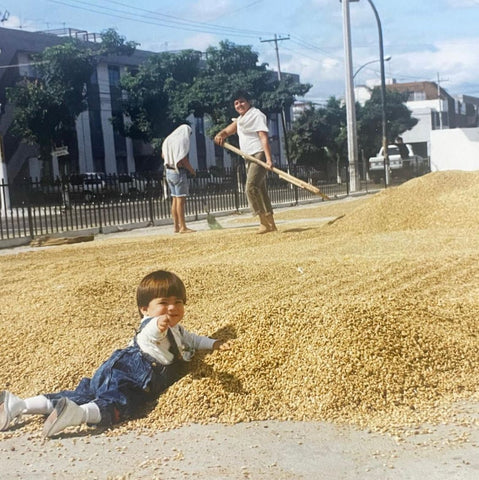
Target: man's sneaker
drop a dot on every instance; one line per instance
(65, 414)
(11, 408)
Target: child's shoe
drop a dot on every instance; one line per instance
(65, 414)
(11, 408)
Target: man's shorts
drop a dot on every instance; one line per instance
(177, 182)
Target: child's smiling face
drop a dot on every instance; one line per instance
(173, 307)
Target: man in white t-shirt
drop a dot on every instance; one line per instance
(252, 129)
(174, 152)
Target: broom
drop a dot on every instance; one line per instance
(285, 176)
(212, 222)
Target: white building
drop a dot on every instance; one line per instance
(434, 109)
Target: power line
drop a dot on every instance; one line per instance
(309, 45)
(154, 18)
(176, 19)
(240, 9)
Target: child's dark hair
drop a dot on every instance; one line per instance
(241, 94)
(159, 284)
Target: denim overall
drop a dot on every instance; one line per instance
(126, 382)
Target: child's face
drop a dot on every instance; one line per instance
(171, 306)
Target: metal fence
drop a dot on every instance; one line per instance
(100, 202)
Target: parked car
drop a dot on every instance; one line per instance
(412, 166)
(98, 186)
(87, 186)
(212, 181)
(81, 187)
(135, 186)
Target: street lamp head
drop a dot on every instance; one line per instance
(385, 59)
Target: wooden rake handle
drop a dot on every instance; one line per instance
(286, 176)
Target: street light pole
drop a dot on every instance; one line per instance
(383, 99)
(350, 101)
(369, 63)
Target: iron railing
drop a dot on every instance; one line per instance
(100, 202)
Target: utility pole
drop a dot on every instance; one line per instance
(439, 99)
(276, 39)
(4, 191)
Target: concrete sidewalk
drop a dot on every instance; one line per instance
(259, 451)
(226, 221)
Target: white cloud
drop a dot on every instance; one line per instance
(331, 64)
(325, 74)
(456, 61)
(463, 3)
(321, 3)
(200, 41)
(209, 10)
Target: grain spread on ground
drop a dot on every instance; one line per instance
(370, 320)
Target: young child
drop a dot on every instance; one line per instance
(132, 376)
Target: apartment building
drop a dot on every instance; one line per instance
(98, 148)
(433, 107)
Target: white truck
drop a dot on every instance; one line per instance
(412, 166)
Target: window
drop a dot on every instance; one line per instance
(114, 76)
(417, 96)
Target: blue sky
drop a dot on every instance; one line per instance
(426, 39)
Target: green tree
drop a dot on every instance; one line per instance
(168, 87)
(232, 67)
(112, 43)
(318, 136)
(47, 106)
(399, 120)
(153, 103)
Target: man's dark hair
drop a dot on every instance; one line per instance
(241, 94)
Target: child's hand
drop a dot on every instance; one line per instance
(162, 323)
(222, 345)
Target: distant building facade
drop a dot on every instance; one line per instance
(434, 109)
(98, 148)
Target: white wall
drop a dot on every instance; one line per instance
(455, 149)
(420, 109)
(421, 132)
(85, 156)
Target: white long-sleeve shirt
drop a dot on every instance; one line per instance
(156, 343)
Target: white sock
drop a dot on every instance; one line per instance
(91, 413)
(39, 405)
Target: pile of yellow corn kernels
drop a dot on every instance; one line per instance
(368, 320)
